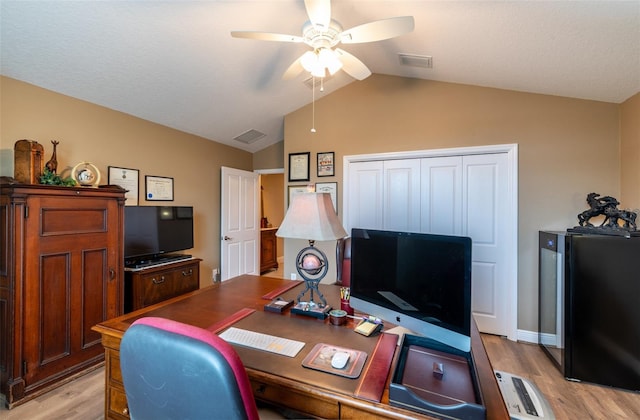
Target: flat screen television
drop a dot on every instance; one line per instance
(419, 281)
(153, 231)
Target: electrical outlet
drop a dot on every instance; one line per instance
(214, 275)
(294, 276)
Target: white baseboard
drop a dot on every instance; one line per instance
(528, 336)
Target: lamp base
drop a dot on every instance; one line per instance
(311, 309)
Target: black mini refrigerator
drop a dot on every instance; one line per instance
(589, 306)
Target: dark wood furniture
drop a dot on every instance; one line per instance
(268, 249)
(156, 283)
(278, 379)
(61, 265)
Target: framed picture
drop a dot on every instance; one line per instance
(325, 164)
(299, 166)
(128, 179)
(158, 188)
(297, 189)
(332, 189)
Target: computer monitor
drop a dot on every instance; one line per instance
(415, 280)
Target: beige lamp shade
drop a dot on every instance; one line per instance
(311, 216)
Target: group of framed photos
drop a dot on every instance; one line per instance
(300, 165)
(299, 171)
(157, 188)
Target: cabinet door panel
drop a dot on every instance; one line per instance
(53, 333)
(94, 279)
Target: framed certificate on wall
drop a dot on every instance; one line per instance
(127, 179)
(158, 188)
(299, 166)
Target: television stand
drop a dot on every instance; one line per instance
(160, 281)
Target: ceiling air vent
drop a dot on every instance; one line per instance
(424, 61)
(250, 136)
(318, 81)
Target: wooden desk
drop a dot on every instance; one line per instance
(274, 379)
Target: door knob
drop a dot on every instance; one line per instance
(226, 238)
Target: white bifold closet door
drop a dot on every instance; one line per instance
(452, 195)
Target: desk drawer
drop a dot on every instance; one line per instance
(114, 374)
(118, 407)
(290, 398)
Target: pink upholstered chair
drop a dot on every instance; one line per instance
(177, 371)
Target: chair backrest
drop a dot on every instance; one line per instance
(343, 261)
(173, 370)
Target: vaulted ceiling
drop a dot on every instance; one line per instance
(175, 62)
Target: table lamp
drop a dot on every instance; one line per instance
(311, 216)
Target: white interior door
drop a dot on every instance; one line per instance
(239, 223)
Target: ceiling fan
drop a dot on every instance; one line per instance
(323, 34)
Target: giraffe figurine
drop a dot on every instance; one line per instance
(52, 164)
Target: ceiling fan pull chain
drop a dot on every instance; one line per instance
(313, 104)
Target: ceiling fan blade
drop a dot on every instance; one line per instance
(319, 12)
(378, 30)
(352, 65)
(294, 69)
(266, 36)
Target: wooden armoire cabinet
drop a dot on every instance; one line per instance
(61, 273)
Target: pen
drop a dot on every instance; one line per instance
(371, 319)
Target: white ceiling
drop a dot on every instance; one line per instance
(175, 63)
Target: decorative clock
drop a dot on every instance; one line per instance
(86, 174)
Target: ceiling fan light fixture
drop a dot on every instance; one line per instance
(329, 59)
(320, 61)
(309, 61)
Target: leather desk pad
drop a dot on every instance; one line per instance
(309, 330)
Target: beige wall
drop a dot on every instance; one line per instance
(630, 153)
(104, 137)
(567, 147)
(271, 157)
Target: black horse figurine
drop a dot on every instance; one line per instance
(607, 206)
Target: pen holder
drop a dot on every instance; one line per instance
(344, 305)
(345, 294)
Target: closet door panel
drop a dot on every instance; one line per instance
(365, 199)
(485, 191)
(441, 195)
(402, 195)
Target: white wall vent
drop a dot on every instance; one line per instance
(424, 61)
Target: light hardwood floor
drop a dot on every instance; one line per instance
(569, 400)
(83, 398)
